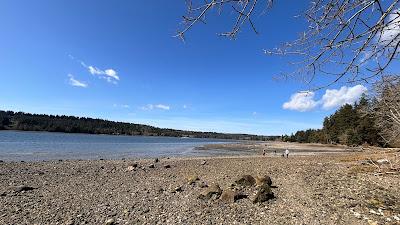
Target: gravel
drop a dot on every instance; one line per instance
(307, 190)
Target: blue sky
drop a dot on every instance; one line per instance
(117, 60)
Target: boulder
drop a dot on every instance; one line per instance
(212, 192)
(260, 180)
(246, 181)
(264, 193)
(230, 196)
(167, 166)
(156, 160)
(151, 166)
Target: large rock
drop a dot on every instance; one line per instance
(230, 196)
(261, 180)
(264, 193)
(246, 180)
(212, 192)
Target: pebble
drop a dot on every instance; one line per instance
(382, 161)
(192, 179)
(177, 189)
(130, 168)
(357, 215)
(23, 188)
(110, 222)
(151, 166)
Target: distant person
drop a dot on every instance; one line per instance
(287, 153)
(263, 152)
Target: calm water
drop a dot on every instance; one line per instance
(37, 146)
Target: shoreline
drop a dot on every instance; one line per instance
(320, 189)
(206, 151)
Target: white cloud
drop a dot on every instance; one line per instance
(254, 113)
(158, 106)
(345, 95)
(110, 75)
(76, 83)
(125, 106)
(185, 106)
(392, 29)
(302, 101)
(333, 98)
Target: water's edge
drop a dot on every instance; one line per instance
(45, 146)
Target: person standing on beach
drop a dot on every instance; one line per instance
(287, 153)
(263, 152)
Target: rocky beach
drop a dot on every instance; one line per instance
(342, 188)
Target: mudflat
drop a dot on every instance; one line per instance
(342, 188)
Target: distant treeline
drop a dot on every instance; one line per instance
(351, 125)
(70, 124)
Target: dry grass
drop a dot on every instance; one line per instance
(366, 162)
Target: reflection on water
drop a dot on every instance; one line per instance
(37, 146)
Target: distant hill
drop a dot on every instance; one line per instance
(10, 120)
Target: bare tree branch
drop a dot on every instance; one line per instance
(346, 40)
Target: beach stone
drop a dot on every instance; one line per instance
(167, 166)
(1, 161)
(382, 161)
(246, 180)
(23, 188)
(213, 191)
(151, 166)
(365, 162)
(110, 222)
(204, 162)
(160, 190)
(130, 168)
(177, 189)
(230, 196)
(70, 222)
(264, 193)
(260, 180)
(192, 179)
(203, 185)
(156, 160)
